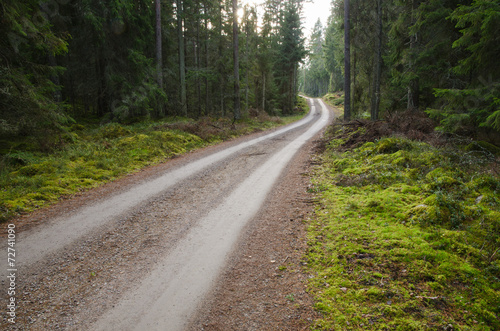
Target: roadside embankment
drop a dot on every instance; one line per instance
(406, 233)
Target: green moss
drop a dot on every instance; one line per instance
(484, 147)
(113, 131)
(91, 155)
(392, 145)
(46, 167)
(407, 232)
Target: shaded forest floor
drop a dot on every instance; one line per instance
(37, 171)
(406, 233)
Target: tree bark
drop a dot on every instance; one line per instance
(159, 66)
(197, 60)
(236, 64)
(378, 65)
(264, 91)
(247, 64)
(182, 63)
(207, 89)
(413, 86)
(413, 93)
(347, 63)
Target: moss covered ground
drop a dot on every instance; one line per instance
(406, 236)
(88, 155)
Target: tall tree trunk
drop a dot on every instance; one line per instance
(159, 67)
(413, 93)
(207, 89)
(247, 64)
(295, 79)
(182, 63)
(347, 63)
(305, 82)
(377, 65)
(264, 91)
(413, 86)
(354, 75)
(197, 60)
(236, 63)
(221, 66)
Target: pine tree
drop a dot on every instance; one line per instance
(182, 59)
(236, 66)
(290, 52)
(347, 63)
(29, 98)
(315, 71)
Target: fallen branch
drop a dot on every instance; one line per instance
(215, 126)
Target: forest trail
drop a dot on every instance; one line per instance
(145, 256)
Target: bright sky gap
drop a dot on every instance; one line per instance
(312, 11)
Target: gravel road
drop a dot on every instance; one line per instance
(143, 253)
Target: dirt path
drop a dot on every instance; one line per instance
(263, 286)
(151, 247)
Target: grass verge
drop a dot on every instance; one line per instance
(90, 155)
(406, 236)
(336, 100)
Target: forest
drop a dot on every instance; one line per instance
(437, 56)
(402, 237)
(406, 228)
(120, 60)
(92, 90)
(65, 60)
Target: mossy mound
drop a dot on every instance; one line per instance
(112, 131)
(404, 238)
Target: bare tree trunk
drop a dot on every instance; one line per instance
(347, 63)
(305, 81)
(413, 95)
(263, 91)
(159, 66)
(207, 89)
(197, 61)
(295, 79)
(247, 87)
(182, 63)
(413, 86)
(354, 75)
(236, 62)
(221, 66)
(378, 65)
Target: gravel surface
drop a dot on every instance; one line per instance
(261, 286)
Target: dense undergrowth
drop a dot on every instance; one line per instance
(406, 235)
(89, 155)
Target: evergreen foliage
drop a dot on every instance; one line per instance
(476, 102)
(290, 52)
(437, 56)
(102, 59)
(315, 77)
(28, 84)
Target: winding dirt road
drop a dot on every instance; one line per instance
(143, 253)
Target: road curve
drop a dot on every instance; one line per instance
(206, 207)
(84, 220)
